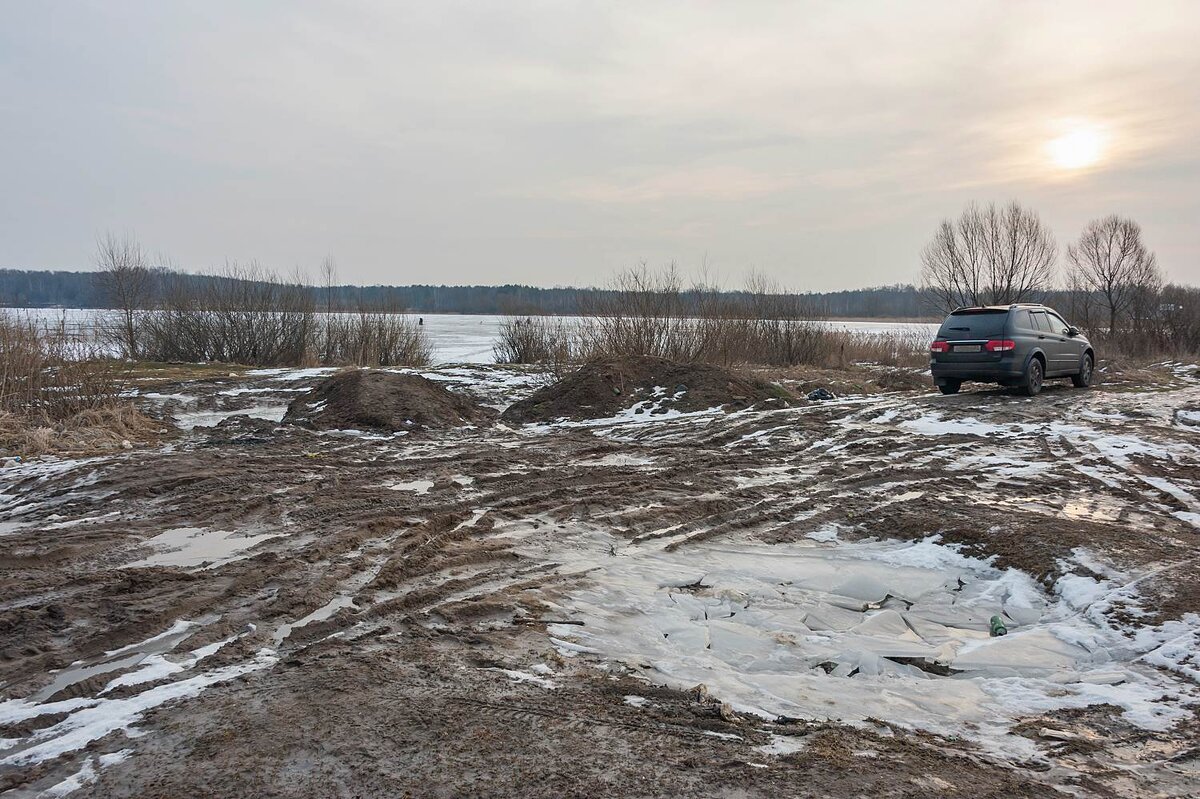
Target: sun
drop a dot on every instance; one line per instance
(1080, 146)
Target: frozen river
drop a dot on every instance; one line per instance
(456, 338)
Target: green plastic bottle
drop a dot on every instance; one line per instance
(997, 626)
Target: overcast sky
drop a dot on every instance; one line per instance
(555, 142)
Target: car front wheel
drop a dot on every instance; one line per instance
(1033, 378)
(1086, 370)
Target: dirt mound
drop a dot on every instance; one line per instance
(645, 385)
(364, 399)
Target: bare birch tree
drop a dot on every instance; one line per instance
(989, 256)
(1111, 262)
(127, 282)
(329, 277)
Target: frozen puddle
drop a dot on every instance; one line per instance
(197, 546)
(890, 630)
(190, 420)
(415, 486)
(618, 459)
(189, 416)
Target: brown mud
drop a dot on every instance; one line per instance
(368, 399)
(602, 388)
(416, 669)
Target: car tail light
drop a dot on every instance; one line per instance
(939, 346)
(1000, 345)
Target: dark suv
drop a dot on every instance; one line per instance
(1013, 345)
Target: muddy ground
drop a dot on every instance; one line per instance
(257, 609)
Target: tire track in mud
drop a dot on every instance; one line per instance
(329, 501)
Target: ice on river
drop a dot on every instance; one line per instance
(456, 338)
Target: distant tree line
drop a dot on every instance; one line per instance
(30, 288)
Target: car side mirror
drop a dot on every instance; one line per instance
(1072, 331)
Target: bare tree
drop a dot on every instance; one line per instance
(329, 276)
(989, 256)
(1111, 262)
(127, 282)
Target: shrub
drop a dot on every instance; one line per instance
(535, 340)
(373, 338)
(49, 375)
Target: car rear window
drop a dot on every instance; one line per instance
(973, 324)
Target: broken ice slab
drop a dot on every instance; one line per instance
(863, 586)
(1029, 651)
(776, 649)
(829, 617)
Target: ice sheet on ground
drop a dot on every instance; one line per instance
(198, 546)
(415, 486)
(190, 420)
(891, 630)
(618, 459)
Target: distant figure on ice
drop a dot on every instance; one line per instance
(420, 320)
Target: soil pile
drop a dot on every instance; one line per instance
(645, 385)
(383, 401)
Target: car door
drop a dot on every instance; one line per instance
(1048, 340)
(1070, 349)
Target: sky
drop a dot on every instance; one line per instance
(554, 143)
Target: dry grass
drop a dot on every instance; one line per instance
(49, 375)
(885, 349)
(652, 313)
(57, 397)
(89, 432)
(373, 338)
(852, 379)
(548, 341)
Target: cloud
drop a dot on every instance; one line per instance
(546, 142)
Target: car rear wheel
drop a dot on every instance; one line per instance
(1033, 378)
(950, 386)
(1084, 378)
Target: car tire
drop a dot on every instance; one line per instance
(950, 386)
(1086, 370)
(1034, 376)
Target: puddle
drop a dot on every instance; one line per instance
(415, 486)
(618, 460)
(320, 614)
(190, 420)
(8, 528)
(197, 546)
(890, 630)
(120, 659)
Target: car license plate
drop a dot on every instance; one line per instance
(967, 348)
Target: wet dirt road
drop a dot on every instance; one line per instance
(257, 610)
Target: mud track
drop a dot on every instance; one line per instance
(358, 615)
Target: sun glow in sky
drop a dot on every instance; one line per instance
(1080, 146)
(554, 143)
